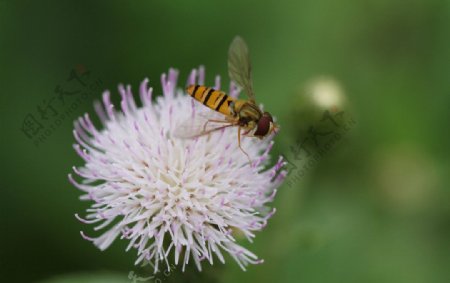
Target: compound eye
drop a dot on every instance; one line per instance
(264, 125)
(268, 115)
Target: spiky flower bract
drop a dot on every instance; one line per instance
(173, 199)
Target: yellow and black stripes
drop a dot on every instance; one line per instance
(214, 99)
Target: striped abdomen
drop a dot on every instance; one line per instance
(214, 99)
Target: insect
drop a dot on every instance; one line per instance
(244, 114)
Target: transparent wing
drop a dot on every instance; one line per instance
(239, 67)
(199, 126)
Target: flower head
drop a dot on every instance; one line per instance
(174, 199)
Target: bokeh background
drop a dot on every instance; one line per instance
(373, 208)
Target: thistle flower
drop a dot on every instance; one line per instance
(174, 199)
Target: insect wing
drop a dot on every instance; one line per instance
(239, 67)
(199, 126)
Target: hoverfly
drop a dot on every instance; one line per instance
(244, 114)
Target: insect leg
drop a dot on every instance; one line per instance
(212, 130)
(214, 121)
(239, 143)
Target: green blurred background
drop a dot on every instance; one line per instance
(374, 208)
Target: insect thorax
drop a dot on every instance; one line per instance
(248, 113)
